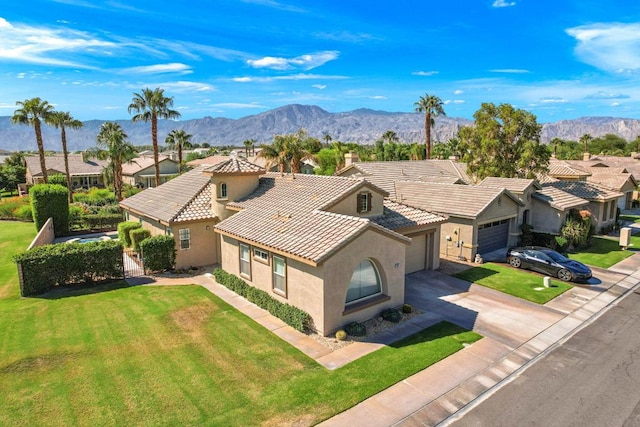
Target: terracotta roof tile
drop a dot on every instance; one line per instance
(76, 165)
(234, 165)
(517, 185)
(584, 190)
(559, 199)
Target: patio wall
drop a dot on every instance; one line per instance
(45, 235)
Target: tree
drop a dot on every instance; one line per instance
(585, 140)
(503, 142)
(287, 149)
(390, 136)
(556, 142)
(431, 106)
(150, 105)
(32, 112)
(62, 120)
(112, 143)
(248, 145)
(327, 138)
(11, 175)
(177, 140)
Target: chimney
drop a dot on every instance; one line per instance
(586, 156)
(350, 158)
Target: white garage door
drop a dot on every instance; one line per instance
(416, 254)
(493, 235)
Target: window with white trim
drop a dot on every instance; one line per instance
(185, 238)
(280, 275)
(365, 282)
(245, 261)
(260, 254)
(222, 191)
(364, 202)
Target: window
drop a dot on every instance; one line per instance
(185, 238)
(261, 255)
(365, 282)
(364, 202)
(612, 213)
(279, 275)
(222, 194)
(245, 261)
(167, 231)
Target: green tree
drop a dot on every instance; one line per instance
(11, 175)
(585, 140)
(275, 154)
(112, 144)
(63, 120)
(390, 137)
(556, 142)
(149, 106)
(249, 144)
(288, 149)
(503, 142)
(32, 112)
(432, 107)
(178, 139)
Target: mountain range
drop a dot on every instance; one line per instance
(362, 126)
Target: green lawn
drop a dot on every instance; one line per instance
(179, 355)
(519, 283)
(632, 218)
(604, 252)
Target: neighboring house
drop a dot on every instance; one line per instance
(615, 179)
(84, 174)
(334, 247)
(307, 166)
(602, 202)
(140, 172)
(551, 206)
(523, 188)
(211, 160)
(482, 219)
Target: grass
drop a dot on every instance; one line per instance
(519, 283)
(120, 355)
(632, 218)
(604, 252)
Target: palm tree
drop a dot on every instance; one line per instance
(112, 143)
(62, 120)
(556, 142)
(150, 105)
(296, 150)
(248, 145)
(586, 139)
(431, 106)
(390, 136)
(32, 112)
(327, 138)
(275, 154)
(177, 140)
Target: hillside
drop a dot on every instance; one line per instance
(363, 126)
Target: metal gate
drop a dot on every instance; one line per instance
(133, 264)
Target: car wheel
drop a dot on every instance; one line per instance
(565, 275)
(515, 262)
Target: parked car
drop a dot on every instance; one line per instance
(547, 261)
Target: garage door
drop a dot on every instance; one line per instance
(415, 255)
(492, 236)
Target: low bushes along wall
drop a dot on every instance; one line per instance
(159, 253)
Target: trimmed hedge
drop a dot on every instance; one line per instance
(124, 228)
(100, 221)
(138, 235)
(292, 316)
(50, 201)
(45, 267)
(159, 253)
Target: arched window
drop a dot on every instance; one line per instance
(365, 282)
(223, 191)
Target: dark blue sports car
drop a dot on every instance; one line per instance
(549, 262)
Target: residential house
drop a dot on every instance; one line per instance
(335, 247)
(521, 187)
(84, 174)
(307, 166)
(140, 172)
(552, 206)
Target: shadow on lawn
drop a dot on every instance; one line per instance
(475, 274)
(60, 292)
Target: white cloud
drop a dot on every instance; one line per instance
(237, 105)
(424, 73)
(378, 97)
(305, 62)
(503, 3)
(553, 100)
(180, 86)
(300, 76)
(319, 86)
(276, 5)
(243, 79)
(613, 47)
(458, 92)
(615, 104)
(509, 71)
(345, 36)
(174, 67)
(606, 95)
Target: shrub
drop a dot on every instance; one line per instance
(356, 329)
(57, 178)
(577, 228)
(527, 235)
(137, 235)
(51, 201)
(159, 253)
(24, 213)
(407, 308)
(341, 335)
(124, 228)
(391, 315)
(292, 316)
(128, 190)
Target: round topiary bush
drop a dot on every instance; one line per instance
(341, 335)
(392, 315)
(356, 329)
(407, 308)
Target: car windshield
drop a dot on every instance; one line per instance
(556, 256)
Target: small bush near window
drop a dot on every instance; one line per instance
(356, 329)
(137, 235)
(292, 316)
(124, 228)
(57, 178)
(391, 315)
(341, 335)
(51, 201)
(407, 308)
(159, 253)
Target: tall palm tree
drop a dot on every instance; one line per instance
(556, 142)
(432, 107)
(62, 120)
(248, 145)
(275, 154)
(327, 138)
(296, 150)
(150, 105)
(390, 136)
(177, 140)
(586, 139)
(112, 144)
(32, 112)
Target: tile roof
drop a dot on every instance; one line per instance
(611, 178)
(559, 199)
(179, 199)
(584, 190)
(233, 166)
(466, 201)
(456, 168)
(211, 160)
(76, 165)
(564, 168)
(286, 214)
(140, 163)
(517, 185)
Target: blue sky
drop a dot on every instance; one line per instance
(233, 58)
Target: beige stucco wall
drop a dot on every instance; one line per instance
(203, 249)
(348, 206)
(601, 214)
(547, 219)
(237, 188)
(460, 230)
(423, 250)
